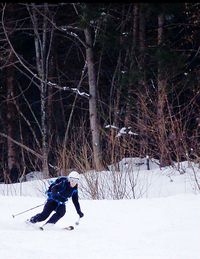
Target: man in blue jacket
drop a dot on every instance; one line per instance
(58, 193)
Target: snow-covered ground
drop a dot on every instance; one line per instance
(162, 224)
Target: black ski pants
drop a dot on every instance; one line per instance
(50, 206)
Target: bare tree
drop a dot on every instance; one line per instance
(13, 166)
(12, 172)
(42, 51)
(162, 82)
(94, 124)
(92, 101)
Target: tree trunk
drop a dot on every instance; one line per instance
(41, 59)
(161, 98)
(142, 81)
(13, 167)
(92, 102)
(132, 65)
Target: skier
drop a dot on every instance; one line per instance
(58, 193)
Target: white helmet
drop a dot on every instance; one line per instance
(74, 175)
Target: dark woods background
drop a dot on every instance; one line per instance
(84, 85)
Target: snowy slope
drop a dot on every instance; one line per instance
(161, 223)
(157, 228)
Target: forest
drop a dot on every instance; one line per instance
(84, 85)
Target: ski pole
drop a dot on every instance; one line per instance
(14, 215)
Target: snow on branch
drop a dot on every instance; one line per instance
(69, 32)
(67, 88)
(122, 131)
(64, 28)
(125, 130)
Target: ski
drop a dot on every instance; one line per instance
(48, 226)
(65, 228)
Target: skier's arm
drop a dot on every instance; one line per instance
(76, 203)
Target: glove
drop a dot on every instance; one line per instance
(80, 214)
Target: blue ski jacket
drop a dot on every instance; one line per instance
(60, 191)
